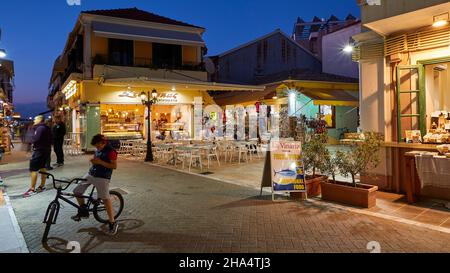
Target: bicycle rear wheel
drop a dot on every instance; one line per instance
(99, 210)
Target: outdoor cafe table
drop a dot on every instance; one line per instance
(169, 146)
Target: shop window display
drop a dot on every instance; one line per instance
(438, 103)
(122, 121)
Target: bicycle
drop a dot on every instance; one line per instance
(98, 208)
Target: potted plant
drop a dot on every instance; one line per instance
(361, 157)
(313, 153)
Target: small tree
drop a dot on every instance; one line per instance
(313, 152)
(330, 165)
(361, 157)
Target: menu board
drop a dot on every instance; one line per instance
(287, 168)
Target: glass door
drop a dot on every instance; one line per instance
(410, 100)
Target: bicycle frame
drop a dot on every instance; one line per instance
(60, 195)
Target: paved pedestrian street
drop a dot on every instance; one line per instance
(168, 211)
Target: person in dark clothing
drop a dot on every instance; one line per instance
(59, 131)
(42, 143)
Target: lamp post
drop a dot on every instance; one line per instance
(148, 101)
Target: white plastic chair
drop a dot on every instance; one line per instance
(212, 152)
(196, 155)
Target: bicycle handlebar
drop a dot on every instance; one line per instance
(49, 175)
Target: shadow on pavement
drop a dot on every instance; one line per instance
(98, 236)
(9, 173)
(264, 200)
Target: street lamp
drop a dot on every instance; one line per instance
(148, 101)
(2, 53)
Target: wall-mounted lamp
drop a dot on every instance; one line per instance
(441, 20)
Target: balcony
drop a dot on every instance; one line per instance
(147, 63)
(72, 68)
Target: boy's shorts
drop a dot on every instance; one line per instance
(101, 184)
(38, 160)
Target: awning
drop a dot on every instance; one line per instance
(322, 93)
(166, 84)
(407, 21)
(240, 97)
(116, 31)
(334, 98)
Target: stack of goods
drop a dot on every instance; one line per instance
(444, 150)
(440, 129)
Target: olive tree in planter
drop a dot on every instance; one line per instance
(312, 152)
(361, 157)
(330, 165)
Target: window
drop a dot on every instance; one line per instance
(121, 52)
(283, 50)
(167, 56)
(328, 114)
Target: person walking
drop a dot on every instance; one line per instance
(58, 132)
(42, 141)
(29, 133)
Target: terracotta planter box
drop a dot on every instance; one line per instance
(313, 186)
(362, 196)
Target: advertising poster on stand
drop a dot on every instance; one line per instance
(287, 167)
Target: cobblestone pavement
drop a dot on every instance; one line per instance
(167, 211)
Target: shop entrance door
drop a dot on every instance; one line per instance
(410, 100)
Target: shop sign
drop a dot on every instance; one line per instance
(128, 94)
(168, 97)
(286, 166)
(71, 89)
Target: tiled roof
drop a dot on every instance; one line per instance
(140, 15)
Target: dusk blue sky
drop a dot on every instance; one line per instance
(34, 32)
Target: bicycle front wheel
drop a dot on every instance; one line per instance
(52, 210)
(99, 211)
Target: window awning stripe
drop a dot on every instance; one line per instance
(109, 30)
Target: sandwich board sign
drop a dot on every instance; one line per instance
(286, 168)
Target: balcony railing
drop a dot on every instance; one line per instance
(100, 59)
(72, 68)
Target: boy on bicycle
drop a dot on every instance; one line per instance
(103, 164)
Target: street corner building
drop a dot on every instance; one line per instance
(111, 56)
(404, 57)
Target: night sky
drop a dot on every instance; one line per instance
(34, 32)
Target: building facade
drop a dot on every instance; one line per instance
(293, 81)
(310, 34)
(7, 114)
(111, 56)
(403, 54)
(334, 59)
(273, 53)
